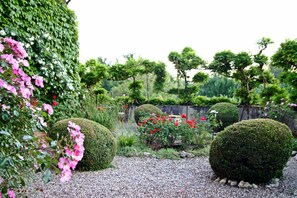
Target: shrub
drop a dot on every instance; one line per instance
(146, 110)
(164, 131)
(100, 145)
(251, 150)
(226, 115)
(126, 140)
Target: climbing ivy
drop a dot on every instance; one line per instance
(48, 30)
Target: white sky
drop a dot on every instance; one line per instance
(153, 28)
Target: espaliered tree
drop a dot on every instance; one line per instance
(184, 62)
(135, 67)
(245, 68)
(286, 58)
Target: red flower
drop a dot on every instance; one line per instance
(176, 123)
(170, 119)
(139, 124)
(151, 132)
(54, 103)
(155, 130)
(54, 96)
(183, 115)
(203, 118)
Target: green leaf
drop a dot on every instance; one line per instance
(47, 176)
(16, 113)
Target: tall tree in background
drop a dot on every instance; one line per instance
(135, 67)
(184, 62)
(286, 58)
(245, 68)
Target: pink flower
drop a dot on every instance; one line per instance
(48, 108)
(1, 47)
(26, 93)
(38, 81)
(73, 125)
(17, 47)
(4, 107)
(73, 164)
(24, 63)
(63, 163)
(1, 70)
(11, 193)
(66, 176)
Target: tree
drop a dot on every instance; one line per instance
(245, 68)
(286, 58)
(218, 85)
(183, 63)
(137, 67)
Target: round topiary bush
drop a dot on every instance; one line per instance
(227, 114)
(251, 150)
(99, 143)
(144, 110)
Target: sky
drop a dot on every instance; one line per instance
(151, 29)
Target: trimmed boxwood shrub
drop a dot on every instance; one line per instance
(144, 110)
(251, 150)
(100, 145)
(227, 114)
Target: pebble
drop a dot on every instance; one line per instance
(161, 178)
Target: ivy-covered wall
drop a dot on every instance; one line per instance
(48, 30)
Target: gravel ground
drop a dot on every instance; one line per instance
(149, 177)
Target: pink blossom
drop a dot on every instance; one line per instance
(63, 163)
(1, 47)
(73, 125)
(66, 175)
(4, 107)
(11, 89)
(1, 70)
(73, 164)
(41, 121)
(68, 151)
(17, 47)
(11, 193)
(9, 59)
(38, 81)
(48, 108)
(24, 63)
(26, 93)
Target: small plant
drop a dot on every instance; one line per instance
(168, 153)
(282, 112)
(226, 114)
(125, 140)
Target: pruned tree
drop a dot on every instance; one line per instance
(245, 68)
(184, 62)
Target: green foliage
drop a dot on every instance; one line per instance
(100, 145)
(281, 112)
(227, 114)
(92, 72)
(206, 101)
(146, 110)
(200, 77)
(48, 30)
(106, 115)
(241, 68)
(254, 150)
(125, 140)
(218, 86)
(168, 153)
(184, 62)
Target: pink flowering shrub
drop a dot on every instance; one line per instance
(23, 150)
(164, 131)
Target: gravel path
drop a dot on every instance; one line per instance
(149, 177)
